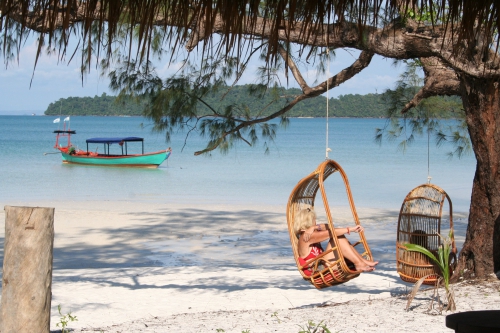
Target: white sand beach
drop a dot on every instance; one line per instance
(139, 267)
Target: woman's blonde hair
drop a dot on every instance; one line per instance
(304, 219)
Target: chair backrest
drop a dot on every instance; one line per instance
(420, 223)
(303, 196)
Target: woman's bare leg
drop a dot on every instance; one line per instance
(368, 262)
(330, 256)
(350, 253)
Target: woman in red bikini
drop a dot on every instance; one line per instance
(311, 235)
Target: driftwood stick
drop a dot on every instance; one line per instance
(27, 269)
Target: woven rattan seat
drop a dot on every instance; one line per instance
(420, 223)
(303, 196)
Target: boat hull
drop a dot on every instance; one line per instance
(149, 160)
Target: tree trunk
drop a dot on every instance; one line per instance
(27, 270)
(480, 255)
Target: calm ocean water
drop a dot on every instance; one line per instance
(380, 176)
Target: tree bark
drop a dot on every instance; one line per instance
(27, 270)
(480, 255)
(439, 80)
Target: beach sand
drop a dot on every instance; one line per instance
(141, 267)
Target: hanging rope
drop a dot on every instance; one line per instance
(327, 99)
(428, 156)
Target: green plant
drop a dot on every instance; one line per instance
(443, 262)
(219, 330)
(65, 319)
(275, 314)
(311, 327)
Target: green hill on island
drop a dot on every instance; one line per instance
(369, 105)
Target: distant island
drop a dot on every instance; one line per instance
(361, 106)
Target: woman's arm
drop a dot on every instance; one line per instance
(320, 233)
(306, 234)
(309, 231)
(317, 236)
(348, 230)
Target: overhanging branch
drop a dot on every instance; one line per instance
(362, 62)
(242, 22)
(439, 80)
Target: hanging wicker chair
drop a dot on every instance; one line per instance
(302, 197)
(420, 223)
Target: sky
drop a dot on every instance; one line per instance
(25, 90)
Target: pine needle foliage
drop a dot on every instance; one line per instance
(422, 119)
(104, 21)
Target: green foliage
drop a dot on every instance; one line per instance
(423, 15)
(65, 320)
(275, 314)
(103, 105)
(443, 262)
(311, 327)
(422, 119)
(245, 98)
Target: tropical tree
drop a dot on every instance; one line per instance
(456, 42)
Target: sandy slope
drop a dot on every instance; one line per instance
(135, 267)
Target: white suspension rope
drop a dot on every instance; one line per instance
(327, 99)
(428, 156)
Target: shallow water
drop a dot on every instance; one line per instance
(379, 176)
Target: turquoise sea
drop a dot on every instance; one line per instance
(379, 176)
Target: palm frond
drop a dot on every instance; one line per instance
(414, 291)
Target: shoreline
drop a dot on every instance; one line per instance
(142, 267)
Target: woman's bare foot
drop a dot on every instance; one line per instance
(370, 263)
(363, 268)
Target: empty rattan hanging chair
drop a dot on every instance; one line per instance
(420, 223)
(303, 196)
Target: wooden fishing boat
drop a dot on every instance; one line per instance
(122, 158)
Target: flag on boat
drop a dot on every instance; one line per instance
(57, 120)
(66, 119)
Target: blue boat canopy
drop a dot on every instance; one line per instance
(114, 140)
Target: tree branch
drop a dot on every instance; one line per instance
(439, 80)
(393, 41)
(362, 62)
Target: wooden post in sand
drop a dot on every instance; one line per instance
(27, 270)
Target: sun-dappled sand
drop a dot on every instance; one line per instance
(138, 267)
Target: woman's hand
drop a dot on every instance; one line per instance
(357, 229)
(308, 233)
